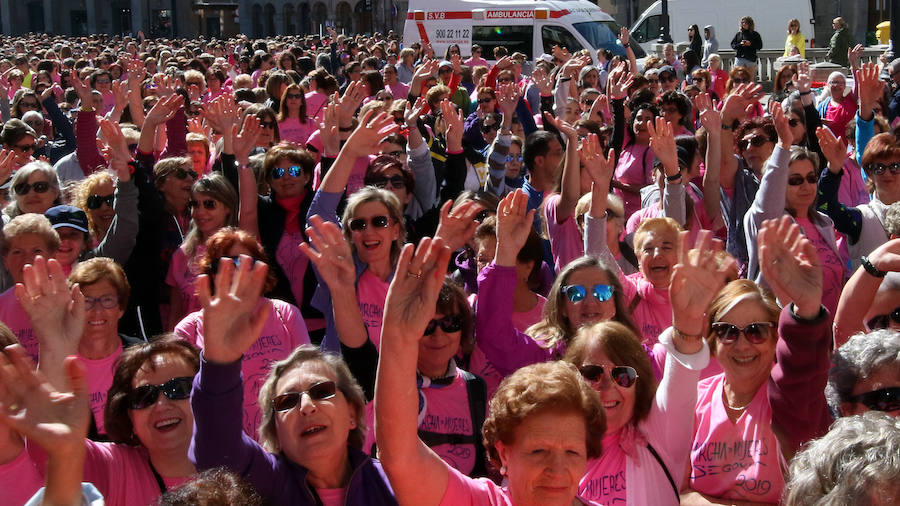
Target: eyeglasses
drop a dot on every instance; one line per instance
(883, 321)
(885, 399)
(294, 95)
(577, 293)
(756, 141)
(512, 158)
(106, 302)
(450, 323)
(33, 105)
(396, 182)
(293, 170)
(483, 215)
(622, 375)
(318, 392)
(880, 168)
(755, 333)
(267, 124)
(485, 100)
(797, 179)
(176, 389)
(97, 201)
(360, 224)
(793, 122)
(740, 80)
(208, 204)
(24, 188)
(184, 174)
(28, 148)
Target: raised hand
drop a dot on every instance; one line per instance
(710, 118)
(454, 121)
(696, 279)
(164, 85)
(163, 110)
(542, 81)
(414, 111)
(84, 92)
(791, 265)
(600, 110)
(8, 163)
(599, 167)
(619, 82)
(222, 114)
(136, 73)
(458, 226)
(740, 102)
(564, 128)
(329, 252)
(351, 100)
(507, 99)
(834, 149)
(514, 223)
(662, 142)
(869, 87)
(245, 140)
(122, 93)
(853, 55)
(624, 36)
(56, 311)
(782, 125)
(231, 320)
(119, 154)
(329, 130)
(413, 293)
(372, 128)
(802, 78)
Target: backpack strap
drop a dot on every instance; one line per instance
(476, 391)
(665, 470)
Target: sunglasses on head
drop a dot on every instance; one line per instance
(176, 389)
(514, 158)
(97, 201)
(293, 170)
(798, 179)
(24, 188)
(360, 224)
(621, 375)
(884, 399)
(450, 323)
(756, 333)
(577, 293)
(208, 204)
(317, 392)
(396, 182)
(880, 168)
(883, 321)
(756, 141)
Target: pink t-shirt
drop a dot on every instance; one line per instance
(19, 480)
(521, 321)
(635, 167)
(315, 105)
(399, 91)
(604, 478)
(462, 490)
(332, 496)
(653, 313)
(838, 116)
(282, 333)
(371, 293)
(12, 314)
(99, 379)
(566, 243)
(182, 275)
(357, 174)
(658, 360)
(292, 130)
(735, 460)
(832, 268)
(292, 262)
(852, 191)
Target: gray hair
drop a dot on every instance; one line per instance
(892, 220)
(857, 459)
(858, 359)
(21, 176)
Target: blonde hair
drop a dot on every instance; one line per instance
(737, 291)
(83, 192)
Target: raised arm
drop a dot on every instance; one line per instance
(362, 142)
(847, 220)
(711, 119)
(859, 292)
(735, 109)
(662, 142)
(570, 186)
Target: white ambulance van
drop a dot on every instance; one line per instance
(532, 28)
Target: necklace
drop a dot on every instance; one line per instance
(734, 408)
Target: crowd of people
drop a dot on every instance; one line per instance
(592, 280)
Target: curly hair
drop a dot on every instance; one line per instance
(858, 359)
(87, 187)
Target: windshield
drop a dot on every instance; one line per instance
(597, 34)
(614, 27)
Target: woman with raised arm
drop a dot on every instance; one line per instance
(545, 421)
(313, 423)
(869, 300)
(750, 419)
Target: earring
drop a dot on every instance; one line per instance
(503, 470)
(352, 423)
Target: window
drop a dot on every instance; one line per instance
(558, 36)
(648, 30)
(614, 28)
(514, 38)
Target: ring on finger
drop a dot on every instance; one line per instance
(412, 274)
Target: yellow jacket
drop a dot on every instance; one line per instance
(795, 40)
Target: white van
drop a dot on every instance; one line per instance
(532, 28)
(770, 17)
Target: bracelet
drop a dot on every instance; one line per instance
(871, 269)
(673, 177)
(726, 126)
(683, 335)
(805, 92)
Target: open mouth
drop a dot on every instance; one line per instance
(745, 360)
(371, 245)
(167, 425)
(96, 323)
(312, 430)
(611, 404)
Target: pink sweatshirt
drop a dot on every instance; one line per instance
(462, 490)
(12, 314)
(99, 379)
(566, 243)
(19, 480)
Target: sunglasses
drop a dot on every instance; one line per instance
(26, 148)
(797, 179)
(267, 124)
(577, 293)
(97, 201)
(483, 215)
(451, 323)
(184, 174)
(885, 399)
(318, 392)
(106, 302)
(176, 389)
(24, 188)
(485, 100)
(880, 168)
(293, 170)
(488, 128)
(396, 182)
(621, 375)
(33, 105)
(360, 224)
(192, 112)
(756, 141)
(793, 122)
(756, 333)
(516, 158)
(739, 80)
(208, 204)
(883, 321)
(294, 95)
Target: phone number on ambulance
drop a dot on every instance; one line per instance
(443, 33)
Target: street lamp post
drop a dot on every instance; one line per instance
(664, 37)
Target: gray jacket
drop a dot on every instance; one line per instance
(710, 46)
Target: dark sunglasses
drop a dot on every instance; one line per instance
(793, 122)
(756, 333)
(444, 70)
(192, 112)
(97, 201)
(24, 188)
(739, 80)
(26, 148)
(885, 399)
(577, 293)
(176, 389)
(883, 321)
(451, 323)
(797, 179)
(485, 100)
(622, 375)
(488, 128)
(483, 215)
(293, 170)
(359, 224)
(294, 95)
(184, 174)
(516, 158)
(756, 141)
(267, 124)
(33, 105)
(317, 392)
(880, 168)
(396, 182)
(208, 204)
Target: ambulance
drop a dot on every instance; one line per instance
(532, 28)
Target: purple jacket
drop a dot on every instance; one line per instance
(217, 401)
